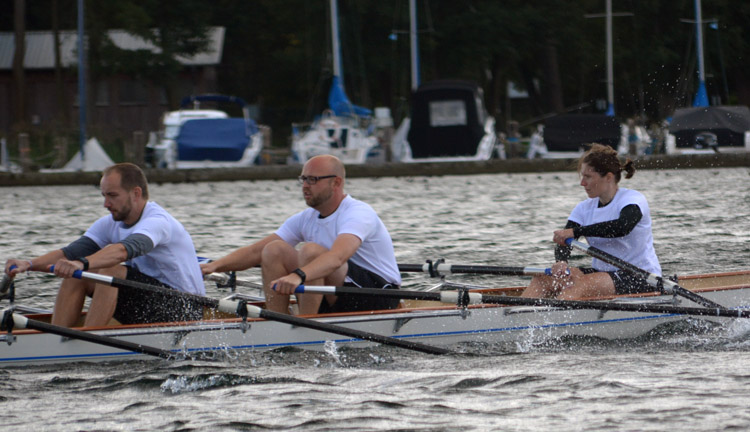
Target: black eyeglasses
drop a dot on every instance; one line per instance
(311, 180)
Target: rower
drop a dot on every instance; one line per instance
(613, 219)
(155, 248)
(345, 243)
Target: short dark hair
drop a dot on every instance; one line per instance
(131, 175)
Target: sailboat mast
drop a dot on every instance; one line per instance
(414, 44)
(335, 40)
(610, 62)
(701, 97)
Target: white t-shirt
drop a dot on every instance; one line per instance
(351, 217)
(637, 247)
(172, 260)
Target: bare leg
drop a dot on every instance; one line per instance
(69, 301)
(589, 286)
(310, 303)
(278, 259)
(73, 292)
(551, 286)
(104, 298)
(102, 307)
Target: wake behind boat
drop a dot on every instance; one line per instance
(416, 321)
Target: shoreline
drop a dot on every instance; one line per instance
(284, 172)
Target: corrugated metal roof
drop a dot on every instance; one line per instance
(40, 48)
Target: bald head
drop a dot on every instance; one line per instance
(327, 164)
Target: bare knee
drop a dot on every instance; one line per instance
(309, 251)
(275, 251)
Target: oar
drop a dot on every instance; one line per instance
(466, 298)
(441, 268)
(653, 279)
(234, 306)
(5, 283)
(22, 322)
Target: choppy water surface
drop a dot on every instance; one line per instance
(689, 376)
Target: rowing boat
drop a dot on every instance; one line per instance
(429, 322)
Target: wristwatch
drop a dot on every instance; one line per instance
(301, 274)
(85, 263)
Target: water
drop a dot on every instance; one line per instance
(688, 376)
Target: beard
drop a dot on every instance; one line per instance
(316, 200)
(122, 214)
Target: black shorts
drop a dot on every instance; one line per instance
(137, 306)
(624, 281)
(353, 303)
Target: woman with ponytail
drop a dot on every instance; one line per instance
(614, 219)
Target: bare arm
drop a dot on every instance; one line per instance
(343, 248)
(241, 259)
(108, 256)
(40, 263)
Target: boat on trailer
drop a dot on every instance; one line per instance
(426, 322)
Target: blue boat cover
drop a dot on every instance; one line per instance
(214, 139)
(340, 103)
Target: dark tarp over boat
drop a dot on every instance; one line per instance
(570, 132)
(447, 119)
(728, 123)
(214, 139)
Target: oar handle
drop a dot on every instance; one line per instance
(80, 274)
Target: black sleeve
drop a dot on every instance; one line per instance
(630, 215)
(137, 245)
(82, 247)
(562, 253)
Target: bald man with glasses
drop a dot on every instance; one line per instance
(344, 243)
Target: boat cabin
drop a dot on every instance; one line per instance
(571, 132)
(447, 120)
(709, 128)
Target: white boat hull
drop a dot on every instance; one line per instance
(429, 323)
